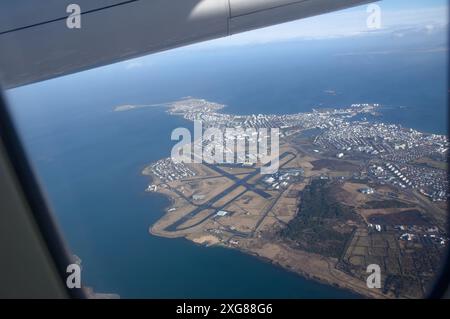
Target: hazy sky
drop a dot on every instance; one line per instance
(401, 16)
(427, 14)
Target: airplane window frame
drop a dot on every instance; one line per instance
(32, 194)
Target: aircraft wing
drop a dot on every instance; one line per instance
(36, 43)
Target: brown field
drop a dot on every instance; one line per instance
(251, 203)
(406, 217)
(197, 218)
(350, 195)
(204, 239)
(431, 163)
(240, 222)
(366, 213)
(285, 207)
(207, 187)
(229, 197)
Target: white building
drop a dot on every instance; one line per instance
(221, 213)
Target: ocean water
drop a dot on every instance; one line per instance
(88, 159)
(91, 173)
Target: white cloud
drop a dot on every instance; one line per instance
(136, 63)
(133, 64)
(386, 52)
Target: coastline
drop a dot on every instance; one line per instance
(233, 206)
(316, 276)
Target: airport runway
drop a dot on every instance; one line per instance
(210, 203)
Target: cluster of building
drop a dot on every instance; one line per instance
(207, 112)
(367, 191)
(424, 235)
(388, 141)
(167, 170)
(431, 182)
(338, 131)
(193, 109)
(238, 146)
(283, 178)
(396, 149)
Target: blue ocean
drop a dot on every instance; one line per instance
(89, 159)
